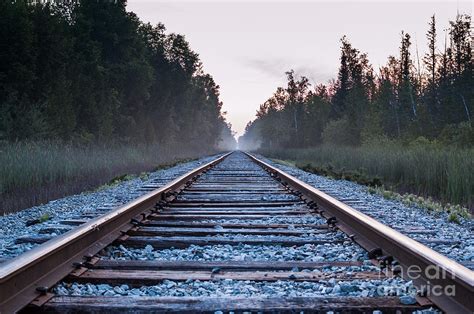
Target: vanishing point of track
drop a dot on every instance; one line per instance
(224, 202)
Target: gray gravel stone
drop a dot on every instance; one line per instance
(242, 252)
(229, 287)
(13, 226)
(407, 300)
(398, 215)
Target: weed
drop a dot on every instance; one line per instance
(44, 217)
(446, 174)
(36, 172)
(453, 217)
(144, 176)
(456, 212)
(119, 179)
(343, 174)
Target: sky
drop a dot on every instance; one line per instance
(248, 45)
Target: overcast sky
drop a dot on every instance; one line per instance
(248, 45)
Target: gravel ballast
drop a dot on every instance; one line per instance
(337, 249)
(243, 252)
(83, 206)
(229, 287)
(399, 216)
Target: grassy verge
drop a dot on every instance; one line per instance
(34, 173)
(456, 212)
(143, 175)
(444, 174)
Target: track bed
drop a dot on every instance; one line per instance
(235, 238)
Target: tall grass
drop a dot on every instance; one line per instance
(36, 172)
(446, 174)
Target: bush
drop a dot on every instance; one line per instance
(423, 142)
(446, 174)
(461, 134)
(36, 172)
(339, 132)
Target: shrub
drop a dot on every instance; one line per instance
(461, 134)
(446, 174)
(36, 172)
(339, 132)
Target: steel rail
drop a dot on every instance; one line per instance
(411, 255)
(28, 276)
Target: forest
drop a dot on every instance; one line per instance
(383, 122)
(93, 72)
(89, 78)
(405, 99)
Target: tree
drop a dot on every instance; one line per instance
(91, 71)
(361, 106)
(406, 93)
(462, 56)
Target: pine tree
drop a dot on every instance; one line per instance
(406, 94)
(430, 58)
(430, 115)
(462, 57)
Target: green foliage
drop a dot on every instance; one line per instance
(44, 218)
(35, 172)
(456, 212)
(444, 173)
(401, 102)
(338, 132)
(144, 176)
(92, 72)
(167, 165)
(405, 127)
(342, 174)
(453, 217)
(119, 179)
(461, 135)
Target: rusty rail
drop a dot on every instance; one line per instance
(28, 276)
(385, 241)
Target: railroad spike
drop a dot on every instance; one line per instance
(88, 257)
(374, 253)
(386, 260)
(331, 221)
(42, 290)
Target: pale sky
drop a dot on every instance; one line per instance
(248, 45)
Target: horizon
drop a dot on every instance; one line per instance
(232, 51)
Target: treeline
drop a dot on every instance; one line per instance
(90, 71)
(408, 98)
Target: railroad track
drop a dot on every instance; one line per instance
(232, 235)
